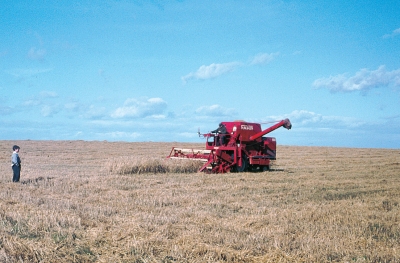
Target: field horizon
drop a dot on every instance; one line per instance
(101, 201)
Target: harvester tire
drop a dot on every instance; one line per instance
(243, 168)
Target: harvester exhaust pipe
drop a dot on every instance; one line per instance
(283, 123)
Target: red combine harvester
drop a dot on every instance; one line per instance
(241, 148)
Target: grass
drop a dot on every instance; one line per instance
(123, 202)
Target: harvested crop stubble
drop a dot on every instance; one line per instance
(317, 204)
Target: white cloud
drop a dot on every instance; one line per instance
(36, 54)
(139, 108)
(304, 117)
(217, 69)
(48, 94)
(263, 58)
(32, 102)
(158, 117)
(309, 119)
(46, 110)
(49, 110)
(120, 135)
(72, 106)
(364, 79)
(190, 135)
(94, 112)
(211, 71)
(26, 73)
(215, 111)
(393, 34)
(44, 102)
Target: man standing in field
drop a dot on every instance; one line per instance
(16, 163)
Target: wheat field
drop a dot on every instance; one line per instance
(81, 201)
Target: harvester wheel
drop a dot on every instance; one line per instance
(242, 168)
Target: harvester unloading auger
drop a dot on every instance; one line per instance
(241, 148)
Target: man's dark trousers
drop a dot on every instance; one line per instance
(16, 173)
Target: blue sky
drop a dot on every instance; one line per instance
(122, 70)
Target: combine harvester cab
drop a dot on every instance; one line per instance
(241, 148)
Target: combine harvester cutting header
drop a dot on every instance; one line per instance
(235, 147)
